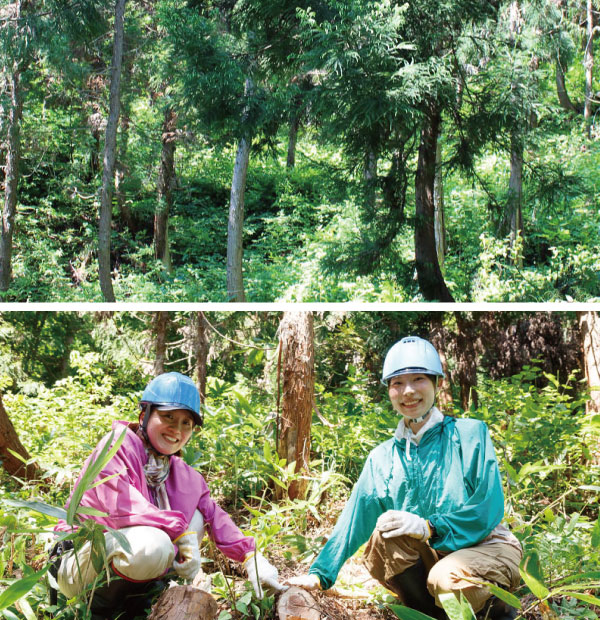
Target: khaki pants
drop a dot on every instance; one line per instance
(497, 563)
(151, 556)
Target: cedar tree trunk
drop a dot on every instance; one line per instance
(201, 348)
(589, 324)
(438, 201)
(235, 227)
(431, 281)
(588, 63)
(298, 363)
(166, 181)
(465, 371)
(108, 171)
(9, 440)
(515, 199)
(11, 175)
(161, 322)
(293, 140)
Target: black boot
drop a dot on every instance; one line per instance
(411, 586)
(495, 609)
(124, 599)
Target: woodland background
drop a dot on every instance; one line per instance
(274, 383)
(269, 150)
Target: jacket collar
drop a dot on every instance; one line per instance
(403, 432)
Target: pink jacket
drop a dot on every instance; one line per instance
(127, 500)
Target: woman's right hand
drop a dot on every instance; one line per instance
(307, 582)
(189, 552)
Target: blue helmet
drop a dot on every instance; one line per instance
(172, 390)
(411, 355)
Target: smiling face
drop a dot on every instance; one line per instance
(169, 431)
(412, 395)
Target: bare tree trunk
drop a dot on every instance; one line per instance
(120, 173)
(296, 340)
(429, 274)
(235, 227)
(515, 200)
(370, 177)
(438, 201)
(439, 339)
(166, 181)
(9, 440)
(161, 323)
(588, 63)
(121, 170)
(589, 325)
(110, 141)
(11, 182)
(293, 140)
(201, 348)
(561, 90)
(13, 152)
(465, 371)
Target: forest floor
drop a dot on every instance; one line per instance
(358, 602)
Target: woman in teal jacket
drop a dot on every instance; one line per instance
(429, 501)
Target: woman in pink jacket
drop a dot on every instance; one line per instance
(160, 504)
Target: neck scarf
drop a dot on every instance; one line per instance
(157, 471)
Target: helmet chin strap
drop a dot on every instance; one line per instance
(420, 418)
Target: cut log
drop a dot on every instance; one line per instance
(297, 604)
(182, 603)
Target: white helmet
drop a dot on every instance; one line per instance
(411, 355)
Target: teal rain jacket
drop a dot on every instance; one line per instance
(452, 480)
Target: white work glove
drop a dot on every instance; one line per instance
(394, 523)
(307, 582)
(266, 575)
(189, 552)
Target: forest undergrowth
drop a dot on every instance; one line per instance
(546, 445)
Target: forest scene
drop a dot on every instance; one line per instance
(532, 377)
(275, 151)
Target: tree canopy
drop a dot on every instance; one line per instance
(386, 151)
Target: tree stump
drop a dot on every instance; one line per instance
(297, 604)
(183, 603)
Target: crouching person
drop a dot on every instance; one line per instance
(428, 502)
(159, 504)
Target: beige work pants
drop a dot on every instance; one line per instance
(497, 563)
(151, 556)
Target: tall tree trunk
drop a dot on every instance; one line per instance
(438, 201)
(589, 325)
(110, 141)
(293, 139)
(120, 174)
(465, 372)
(588, 63)
(561, 89)
(370, 177)
(431, 281)
(161, 323)
(11, 174)
(235, 226)
(166, 181)
(515, 199)
(438, 335)
(121, 169)
(9, 440)
(296, 339)
(201, 348)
